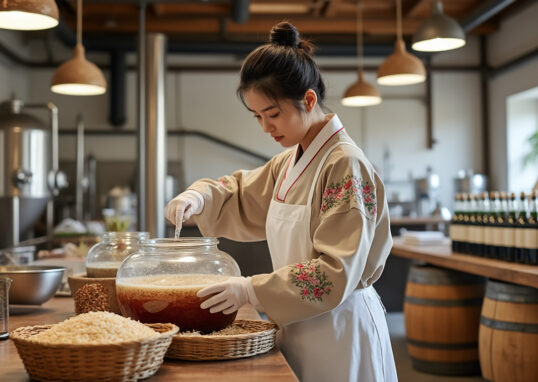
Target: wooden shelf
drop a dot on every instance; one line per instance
(270, 366)
(441, 255)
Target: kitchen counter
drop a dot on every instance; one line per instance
(270, 366)
(442, 255)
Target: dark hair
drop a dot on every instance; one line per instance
(283, 68)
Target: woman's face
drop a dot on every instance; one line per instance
(282, 120)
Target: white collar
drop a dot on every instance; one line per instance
(294, 171)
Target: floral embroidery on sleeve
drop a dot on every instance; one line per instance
(348, 188)
(311, 281)
(225, 182)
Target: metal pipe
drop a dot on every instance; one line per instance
(15, 223)
(155, 171)
(484, 98)
(484, 12)
(92, 186)
(240, 11)
(79, 193)
(118, 71)
(141, 141)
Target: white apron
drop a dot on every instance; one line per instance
(348, 343)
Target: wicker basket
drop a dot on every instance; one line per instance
(126, 361)
(258, 338)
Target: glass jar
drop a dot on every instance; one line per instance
(159, 282)
(104, 258)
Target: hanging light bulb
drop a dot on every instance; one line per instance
(400, 68)
(438, 33)
(361, 93)
(28, 14)
(78, 76)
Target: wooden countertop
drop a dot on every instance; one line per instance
(443, 256)
(270, 366)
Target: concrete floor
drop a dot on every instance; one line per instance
(406, 373)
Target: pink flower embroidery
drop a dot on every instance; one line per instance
(225, 182)
(350, 189)
(311, 281)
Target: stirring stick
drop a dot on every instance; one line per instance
(179, 222)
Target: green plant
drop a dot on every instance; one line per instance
(116, 224)
(532, 156)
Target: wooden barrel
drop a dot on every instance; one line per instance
(508, 337)
(442, 315)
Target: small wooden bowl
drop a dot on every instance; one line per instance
(104, 293)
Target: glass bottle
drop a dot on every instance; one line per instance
(510, 229)
(531, 235)
(491, 225)
(455, 226)
(521, 251)
(502, 215)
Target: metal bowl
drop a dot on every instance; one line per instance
(32, 284)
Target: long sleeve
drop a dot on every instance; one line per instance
(351, 239)
(235, 206)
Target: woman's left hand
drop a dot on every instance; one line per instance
(230, 295)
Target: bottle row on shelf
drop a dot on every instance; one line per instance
(496, 225)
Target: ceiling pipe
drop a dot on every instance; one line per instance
(240, 11)
(483, 13)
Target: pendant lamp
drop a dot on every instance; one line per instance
(400, 68)
(361, 93)
(439, 32)
(28, 14)
(78, 76)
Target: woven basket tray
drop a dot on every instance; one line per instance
(125, 361)
(258, 338)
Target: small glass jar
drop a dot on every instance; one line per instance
(104, 258)
(159, 282)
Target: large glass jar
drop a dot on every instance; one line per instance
(159, 283)
(104, 258)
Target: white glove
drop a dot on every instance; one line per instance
(186, 204)
(232, 294)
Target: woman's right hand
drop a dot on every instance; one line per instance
(186, 204)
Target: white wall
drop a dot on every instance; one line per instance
(516, 36)
(522, 122)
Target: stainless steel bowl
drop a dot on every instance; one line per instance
(32, 284)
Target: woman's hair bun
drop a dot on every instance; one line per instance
(285, 34)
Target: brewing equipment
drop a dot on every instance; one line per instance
(427, 193)
(29, 174)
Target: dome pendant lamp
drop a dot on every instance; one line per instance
(361, 93)
(28, 15)
(438, 33)
(78, 76)
(400, 68)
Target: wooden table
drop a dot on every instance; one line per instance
(442, 255)
(270, 366)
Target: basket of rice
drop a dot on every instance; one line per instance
(94, 346)
(243, 338)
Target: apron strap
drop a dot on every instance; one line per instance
(318, 170)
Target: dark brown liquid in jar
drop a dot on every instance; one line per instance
(171, 298)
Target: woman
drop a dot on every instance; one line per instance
(321, 207)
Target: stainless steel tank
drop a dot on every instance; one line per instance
(26, 159)
(29, 175)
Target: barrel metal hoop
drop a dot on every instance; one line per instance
(443, 278)
(447, 368)
(511, 293)
(443, 345)
(509, 326)
(447, 303)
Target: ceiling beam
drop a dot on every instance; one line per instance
(257, 25)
